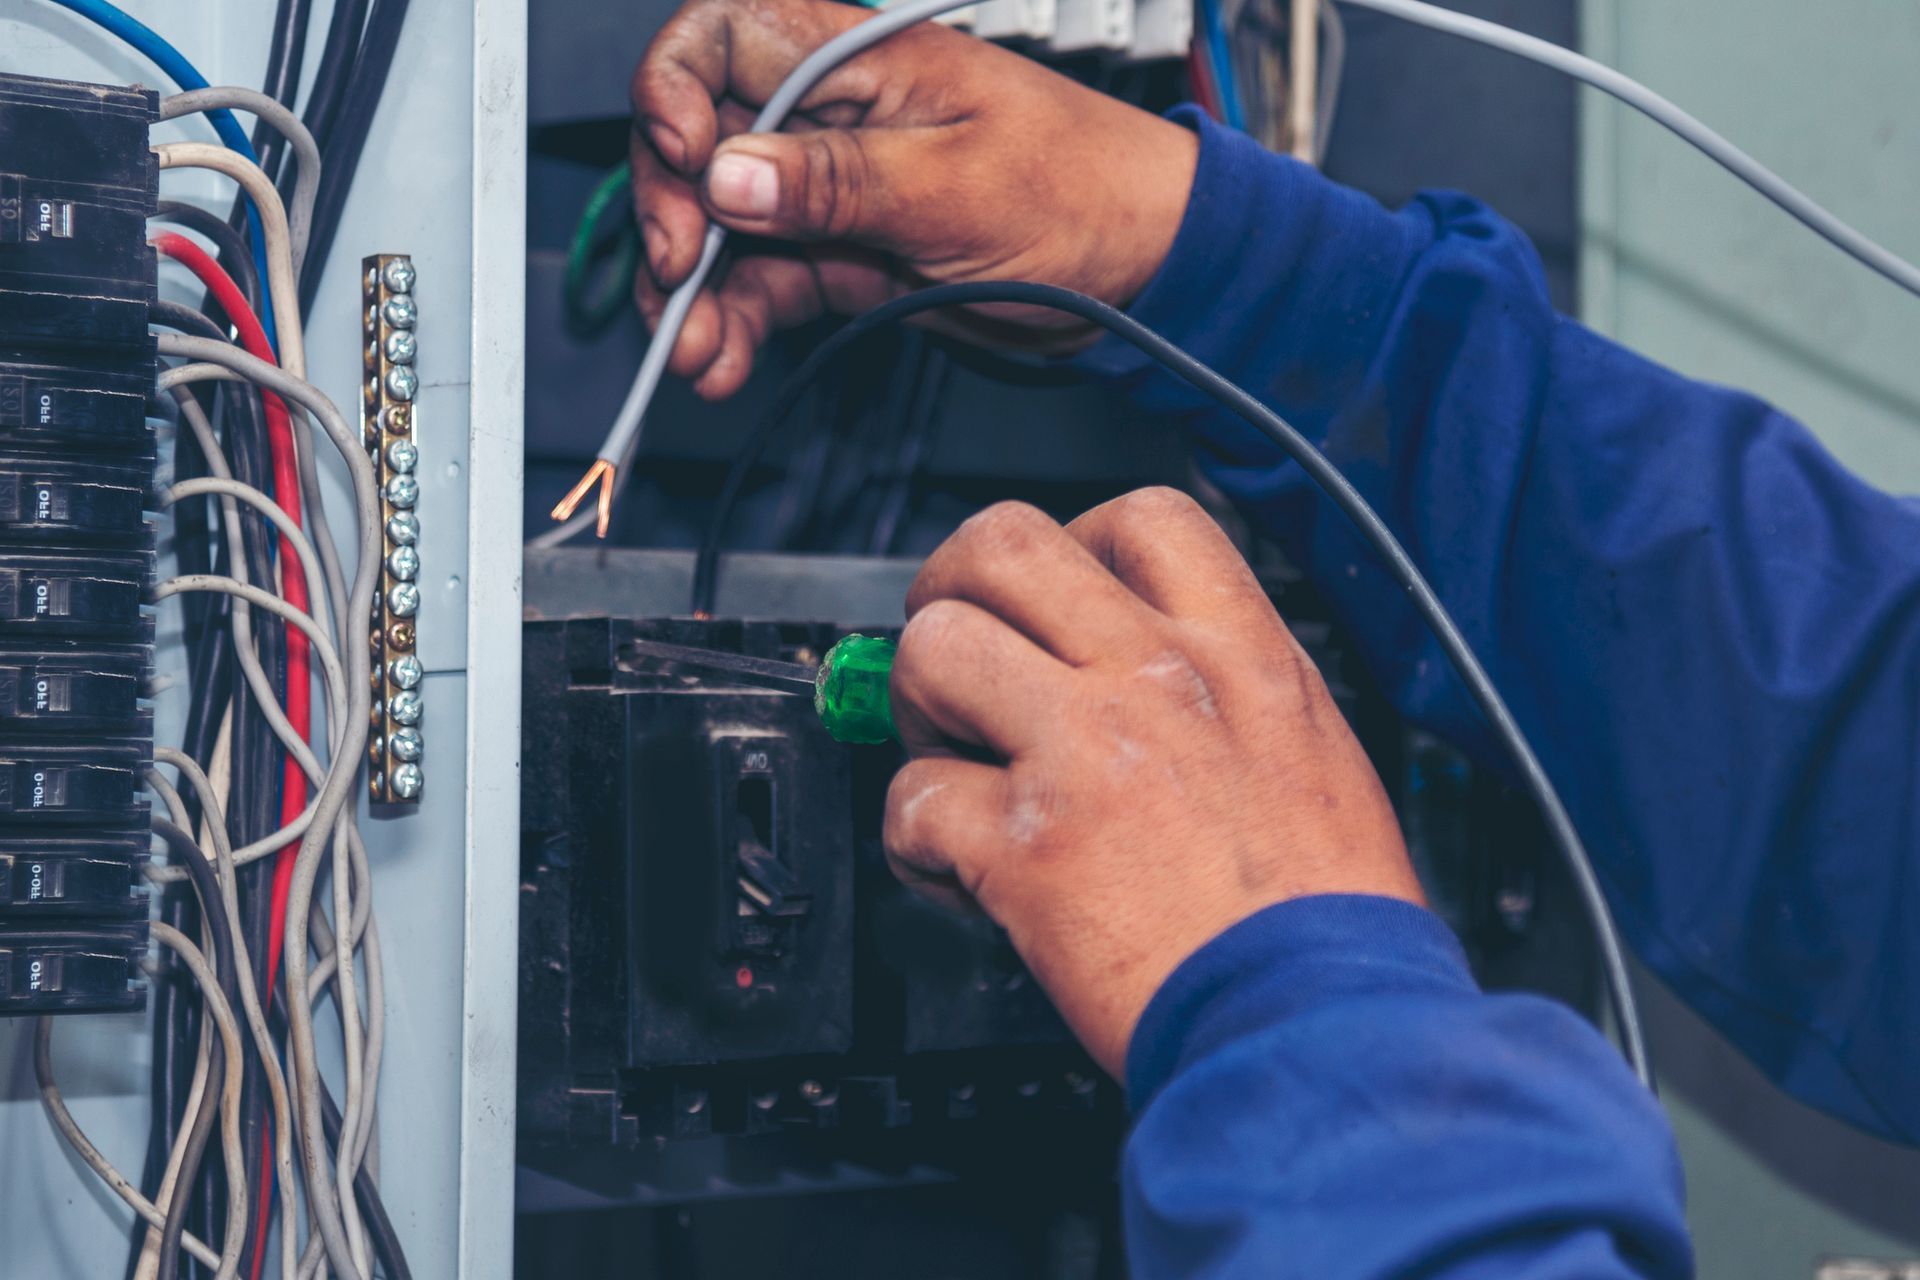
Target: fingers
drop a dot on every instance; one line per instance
(944, 819)
(712, 49)
(962, 676)
(878, 187)
(1014, 562)
(1169, 552)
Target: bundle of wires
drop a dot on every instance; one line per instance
(262, 596)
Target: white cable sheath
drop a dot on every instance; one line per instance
(1638, 96)
(623, 437)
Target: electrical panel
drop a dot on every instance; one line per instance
(722, 949)
(77, 184)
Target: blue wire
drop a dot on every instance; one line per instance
(1220, 54)
(183, 73)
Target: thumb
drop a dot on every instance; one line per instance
(830, 184)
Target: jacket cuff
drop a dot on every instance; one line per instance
(1283, 961)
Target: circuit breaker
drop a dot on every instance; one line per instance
(77, 184)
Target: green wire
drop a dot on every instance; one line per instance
(590, 306)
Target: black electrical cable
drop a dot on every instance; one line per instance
(923, 420)
(184, 852)
(1372, 529)
(373, 1210)
(344, 31)
(365, 86)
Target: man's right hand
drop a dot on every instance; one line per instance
(931, 158)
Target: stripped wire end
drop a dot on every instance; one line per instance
(602, 472)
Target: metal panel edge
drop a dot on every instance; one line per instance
(495, 479)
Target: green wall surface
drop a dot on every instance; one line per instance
(1687, 265)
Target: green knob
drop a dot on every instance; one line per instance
(850, 693)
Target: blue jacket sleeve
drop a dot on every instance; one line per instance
(1322, 1091)
(1709, 629)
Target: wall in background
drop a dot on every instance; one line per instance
(1687, 265)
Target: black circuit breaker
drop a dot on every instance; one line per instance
(77, 184)
(711, 941)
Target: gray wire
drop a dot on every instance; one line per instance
(1645, 100)
(623, 437)
(356, 1114)
(334, 792)
(224, 869)
(306, 178)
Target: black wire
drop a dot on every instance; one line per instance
(336, 63)
(923, 419)
(230, 250)
(287, 52)
(373, 1210)
(365, 85)
(1372, 529)
(184, 852)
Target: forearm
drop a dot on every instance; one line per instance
(1323, 1092)
(1706, 626)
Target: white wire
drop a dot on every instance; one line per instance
(333, 795)
(281, 282)
(306, 153)
(623, 437)
(224, 872)
(1604, 78)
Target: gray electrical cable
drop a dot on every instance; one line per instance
(334, 792)
(622, 440)
(356, 1113)
(224, 868)
(306, 153)
(1636, 95)
(69, 1129)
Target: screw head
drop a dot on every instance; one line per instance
(405, 707)
(404, 563)
(406, 745)
(766, 1101)
(399, 418)
(402, 382)
(403, 490)
(403, 599)
(399, 312)
(403, 455)
(398, 273)
(405, 671)
(376, 747)
(401, 345)
(400, 635)
(403, 528)
(407, 781)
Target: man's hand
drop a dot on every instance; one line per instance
(1119, 751)
(931, 158)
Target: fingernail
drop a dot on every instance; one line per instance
(668, 142)
(743, 185)
(655, 237)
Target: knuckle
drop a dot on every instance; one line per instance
(929, 640)
(834, 183)
(1006, 529)
(1159, 502)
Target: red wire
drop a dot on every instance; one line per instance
(1200, 78)
(293, 586)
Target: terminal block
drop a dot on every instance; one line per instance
(389, 420)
